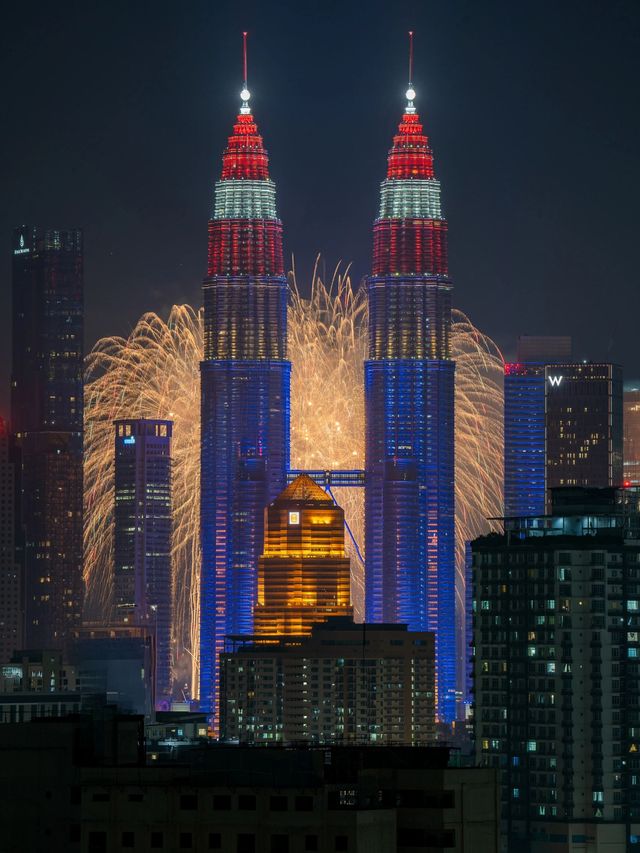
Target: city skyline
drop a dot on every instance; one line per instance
(129, 269)
(389, 510)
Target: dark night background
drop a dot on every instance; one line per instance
(115, 115)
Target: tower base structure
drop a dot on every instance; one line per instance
(410, 505)
(244, 460)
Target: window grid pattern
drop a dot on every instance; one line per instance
(303, 573)
(245, 383)
(524, 439)
(409, 395)
(245, 456)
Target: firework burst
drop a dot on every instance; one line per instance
(154, 373)
(479, 443)
(327, 347)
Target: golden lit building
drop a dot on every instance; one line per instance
(303, 574)
(631, 452)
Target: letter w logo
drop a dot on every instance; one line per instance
(555, 381)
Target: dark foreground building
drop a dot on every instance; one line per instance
(557, 672)
(103, 665)
(47, 424)
(347, 683)
(11, 589)
(85, 786)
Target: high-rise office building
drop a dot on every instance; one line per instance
(142, 581)
(345, 683)
(524, 421)
(47, 423)
(583, 425)
(303, 574)
(563, 427)
(245, 391)
(11, 600)
(631, 443)
(409, 393)
(557, 660)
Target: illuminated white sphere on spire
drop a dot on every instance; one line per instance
(410, 94)
(245, 95)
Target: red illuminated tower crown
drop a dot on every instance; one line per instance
(410, 234)
(245, 234)
(245, 292)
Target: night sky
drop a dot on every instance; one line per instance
(115, 115)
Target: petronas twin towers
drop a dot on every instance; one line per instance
(409, 400)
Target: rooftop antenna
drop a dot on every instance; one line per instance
(410, 94)
(245, 94)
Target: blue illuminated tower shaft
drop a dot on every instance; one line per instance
(245, 382)
(409, 410)
(245, 454)
(409, 504)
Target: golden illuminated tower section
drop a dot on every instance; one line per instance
(303, 574)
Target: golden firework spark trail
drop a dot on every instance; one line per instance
(154, 373)
(479, 445)
(327, 347)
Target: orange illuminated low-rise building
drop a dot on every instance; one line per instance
(303, 574)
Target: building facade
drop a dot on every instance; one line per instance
(584, 425)
(556, 666)
(303, 573)
(245, 392)
(346, 683)
(142, 582)
(47, 423)
(84, 785)
(631, 449)
(563, 427)
(11, 590)
(524, 421)
(525, 479)
(409, 392)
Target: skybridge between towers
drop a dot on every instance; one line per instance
(331, 479)
(328, 480)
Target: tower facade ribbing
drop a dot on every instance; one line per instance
(409, 408)
(245, 381)
(303, 574)
(142, 536)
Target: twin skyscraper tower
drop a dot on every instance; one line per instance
(409, 400)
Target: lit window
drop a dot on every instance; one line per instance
(294, 518)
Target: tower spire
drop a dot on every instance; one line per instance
(410, 94)
(245, 109)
